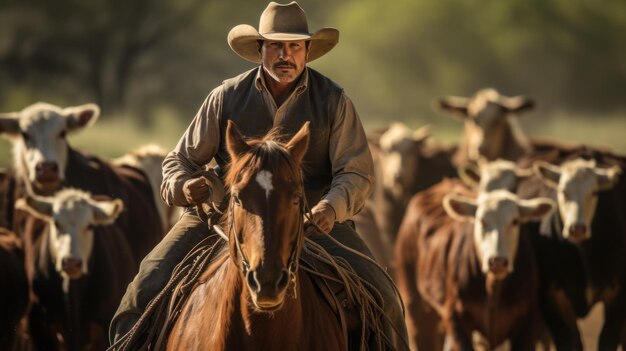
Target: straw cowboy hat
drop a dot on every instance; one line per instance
(282, 23)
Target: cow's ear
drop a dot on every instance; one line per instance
(106, 212)
(37, 206)
(235, 142)
(535, 209)
(548, 173)
(422, 133)
(459, 207)
(607, 177)
(79, 117)
(10, 124)
(298, 145)
(518, 104)
(454, 105)
(470, 174)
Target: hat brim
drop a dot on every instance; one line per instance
(243, 40)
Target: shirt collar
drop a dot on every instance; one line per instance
(303, 81)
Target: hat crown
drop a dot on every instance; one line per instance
(283, 18)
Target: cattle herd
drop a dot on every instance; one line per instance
(500, 242)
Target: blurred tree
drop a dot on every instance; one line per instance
(95, 45)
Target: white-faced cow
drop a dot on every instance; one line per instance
(592, 208)
(44, 162)
(406, 163)
(83, 263)
(471, 264)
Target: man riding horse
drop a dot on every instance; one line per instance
(282, 92)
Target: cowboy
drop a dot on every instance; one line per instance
(280, 92)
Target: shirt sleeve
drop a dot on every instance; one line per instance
(352, 165)
(194, 150)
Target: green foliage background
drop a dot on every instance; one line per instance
(150, 63)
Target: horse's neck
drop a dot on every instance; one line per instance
(219, 316)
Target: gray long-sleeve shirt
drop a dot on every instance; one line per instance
(351, 161)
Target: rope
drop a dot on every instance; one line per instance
(185, 274)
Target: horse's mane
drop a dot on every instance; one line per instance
(268, 152)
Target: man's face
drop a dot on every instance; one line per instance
(284, 60)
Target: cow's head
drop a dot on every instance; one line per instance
(497, 217)
(577, 184)
(399, 152)
(39, 140)
(488, 176)
(72, 215)
(488, 116)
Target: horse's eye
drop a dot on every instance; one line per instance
(297, 199)
(515, 222)
(91, 226)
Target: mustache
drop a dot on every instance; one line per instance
(283, 63)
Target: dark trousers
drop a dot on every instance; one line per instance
(157, 267)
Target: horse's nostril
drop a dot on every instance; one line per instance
(253, 283)
(283, 280)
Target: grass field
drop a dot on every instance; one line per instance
(115, 136)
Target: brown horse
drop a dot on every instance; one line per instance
(253, 297)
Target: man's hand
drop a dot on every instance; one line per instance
(196, 191)
(324, 216)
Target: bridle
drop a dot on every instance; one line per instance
(244, 263)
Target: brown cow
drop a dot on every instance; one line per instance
(83, 263)
(465, 272)
(14, 291)
(592, 209)
(491, 128)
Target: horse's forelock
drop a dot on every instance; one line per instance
(264, 154)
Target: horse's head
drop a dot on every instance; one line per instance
(266, 212)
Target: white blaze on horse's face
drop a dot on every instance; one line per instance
(38, 133)
(497, 217)
(400, 149)
(264, 178)
(72, 215)
(577, 184)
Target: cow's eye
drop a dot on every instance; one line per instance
(25, 136)
(62, 134)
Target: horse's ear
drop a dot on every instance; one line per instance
(298, 145)
(235, 142)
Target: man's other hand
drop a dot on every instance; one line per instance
(196, 191)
